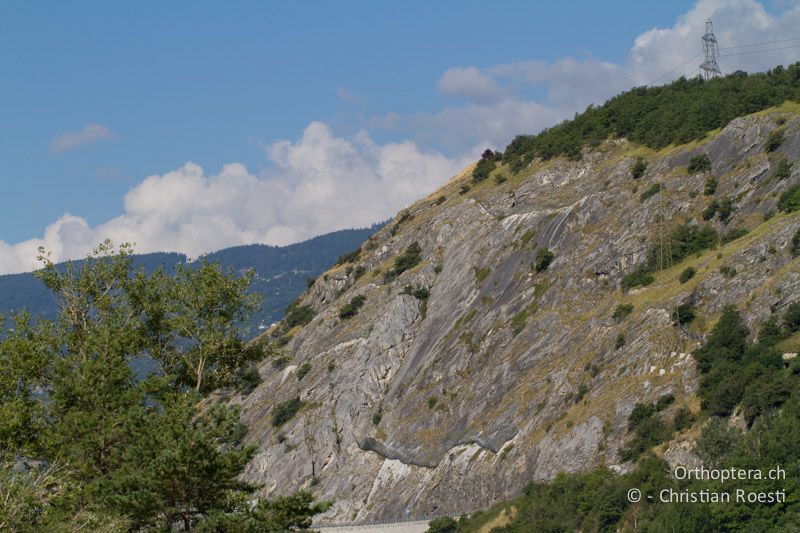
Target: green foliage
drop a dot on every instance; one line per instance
(126, 452)
(350, 309)
(638, 169)
(408, 260)
(664, 401)
(432, 402)
(699, 163)
(647, 426)
(727, 271)
(683, 419)
(464, 189)
(791, 317)
(683, 314)
(641, 277)
(619, 342)
(285, 411)
(732, 235)
(710, 186)
(726, 210)
(682, 111)
(299, 315)
(650, 192)
(500, 179)
(481, 273)
(774, 140)
(359, 271)
(484, 167)
(443, 524)
(376, 418)
(350, 257)
(790, 199)
(687, 274)
(518, 322)
(420, 293)
(710, 210)
(543, 259)
(304, 369)
(622, 311)
(784, 169)
(440, 200)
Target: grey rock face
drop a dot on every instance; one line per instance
(505, 375)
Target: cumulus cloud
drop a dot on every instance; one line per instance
(322, 182)
(72, 140)
(317, 184)
(470, 84)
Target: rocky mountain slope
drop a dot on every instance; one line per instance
(471, 367)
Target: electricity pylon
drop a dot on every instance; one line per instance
(709, 68)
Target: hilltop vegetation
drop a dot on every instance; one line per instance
(680, 112)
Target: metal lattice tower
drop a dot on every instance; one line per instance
(709, 69)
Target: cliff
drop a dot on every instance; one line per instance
(447, 399)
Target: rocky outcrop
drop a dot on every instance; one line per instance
(503, 374)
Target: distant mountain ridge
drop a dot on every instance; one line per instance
(281, 273)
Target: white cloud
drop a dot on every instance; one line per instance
(71, 140)
(470, 84)
(323, 182)
(347, 97)
(317, 184)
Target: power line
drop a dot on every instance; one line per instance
(676, 68)
(759, 51)
(760, 44)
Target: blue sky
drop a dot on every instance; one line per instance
(303, 99)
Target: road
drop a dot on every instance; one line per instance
(419, 526)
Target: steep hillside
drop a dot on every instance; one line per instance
(282, 273)
(455, 360)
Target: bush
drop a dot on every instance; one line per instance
(285, 411)
(790, 199)
(638, 169)
(443, 524)
(791, 317)
(710, 210)
(665, 401)
(351, 257)
(683, 314)
(622, 311)
(350, 309)
(543, 259)
(687, 274)
(440, 200)
(794, 247)
(619, 342)
(464, 189)
(304, 369)
(726, 209)
(431, 402)
(699, 163)
(710, 185)
(249, 378)
(774, 140)
(359, 271)
(409, 259)
(727, 271)
(420, 293)
(298, 315)
(683, 419)
(784, 169)
(732, 235)
(649, 193)
(641, 277)
(376, 418)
